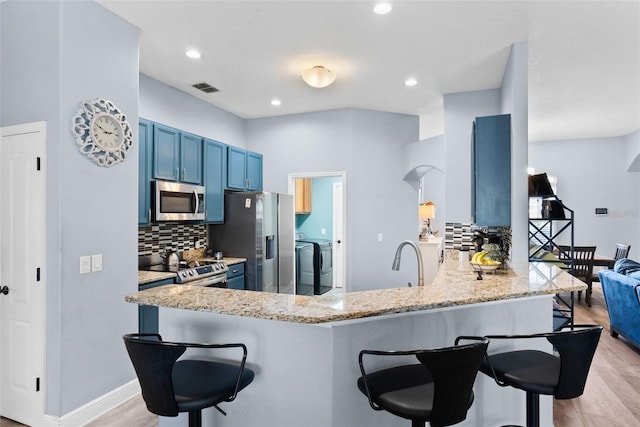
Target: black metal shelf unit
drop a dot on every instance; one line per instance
(543, 236)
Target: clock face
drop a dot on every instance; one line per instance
(102, 132)
(106, 132)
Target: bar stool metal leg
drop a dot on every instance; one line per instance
(533, 409)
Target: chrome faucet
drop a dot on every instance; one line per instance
(396, 260)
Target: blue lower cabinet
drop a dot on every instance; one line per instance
(148, 314)
(235, 276)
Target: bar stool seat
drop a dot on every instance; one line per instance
(562, 375)
(438, 390)
(171, 386)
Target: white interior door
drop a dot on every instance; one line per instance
(21, 273)
(339, 272)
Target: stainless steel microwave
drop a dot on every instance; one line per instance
(175, 201)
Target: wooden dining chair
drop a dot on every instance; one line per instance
(622, 251)
(580, 265)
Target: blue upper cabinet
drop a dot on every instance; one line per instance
(244, 170)
(215, 174)
(177, 156)
(254, 171)
(236, 168)
(491, 160)
(145, 163)
(190, 158)
(166, 152)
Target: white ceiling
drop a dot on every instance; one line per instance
(584, 56)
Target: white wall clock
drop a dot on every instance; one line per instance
(102, 132)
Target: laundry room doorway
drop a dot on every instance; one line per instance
(320, 200)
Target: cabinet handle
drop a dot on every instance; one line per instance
(177, 173)
(184, 173)
(149, 215)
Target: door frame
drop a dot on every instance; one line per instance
(339, 276)
(39, 151)
(343, 216)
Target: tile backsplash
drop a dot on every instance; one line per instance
(178, 236)
(458, 236)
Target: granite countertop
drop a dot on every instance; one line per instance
(453, 286)
(145, 277)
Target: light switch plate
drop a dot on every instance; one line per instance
(96, 262)
(85, 264)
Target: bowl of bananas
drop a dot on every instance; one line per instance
(482, 262)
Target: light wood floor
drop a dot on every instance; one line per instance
(612, 392)
(611, 396)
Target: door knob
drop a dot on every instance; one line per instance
(4, 290)
(339, 241)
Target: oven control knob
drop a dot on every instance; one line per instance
(191, 273)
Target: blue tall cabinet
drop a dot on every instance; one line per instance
(215, 177)
(491, 166)
(145, 165)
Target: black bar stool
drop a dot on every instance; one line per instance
(170, 386)
(563, 375)
(439, 389)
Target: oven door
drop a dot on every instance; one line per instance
(174, 201)
(217, 281)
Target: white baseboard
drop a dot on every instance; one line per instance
(95, 408)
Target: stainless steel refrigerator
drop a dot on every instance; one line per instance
(259, 226)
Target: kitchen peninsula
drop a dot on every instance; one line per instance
(304, 349)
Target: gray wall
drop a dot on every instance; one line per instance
(515, 101)
(633, 151)
(427, 158)
(592, 173)
(460, 109)
(169, 106)
(367, 145)
(86, 205)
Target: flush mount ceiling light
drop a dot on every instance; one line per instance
(318, 76)
(276, 102)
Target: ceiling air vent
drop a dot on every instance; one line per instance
(205, 87)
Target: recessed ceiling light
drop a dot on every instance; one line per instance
(276, 102)
(194, 54)
(410, 82)
(382, 8)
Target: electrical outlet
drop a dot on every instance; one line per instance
(379, 237)
(323, 231)
(96, 263)
(85, 264)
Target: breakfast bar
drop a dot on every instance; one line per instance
(304, 348)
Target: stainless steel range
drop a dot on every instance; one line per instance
(210, 274)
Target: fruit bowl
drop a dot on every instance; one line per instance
(485, 267)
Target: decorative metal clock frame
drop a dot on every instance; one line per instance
(88, 132)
